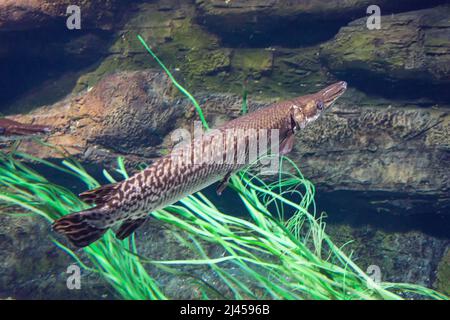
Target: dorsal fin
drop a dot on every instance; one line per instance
(100, 195)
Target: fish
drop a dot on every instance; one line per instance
(212, 157)
(14, 130)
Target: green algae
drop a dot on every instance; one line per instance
(206, 63)
(254, 62)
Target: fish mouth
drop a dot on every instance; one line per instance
(331, 93)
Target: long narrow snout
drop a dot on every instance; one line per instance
(331, 93)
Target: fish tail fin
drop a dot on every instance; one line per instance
(78, 227)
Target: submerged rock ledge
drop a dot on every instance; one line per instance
(412, 47)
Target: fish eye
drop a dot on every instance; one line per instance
(319, 105)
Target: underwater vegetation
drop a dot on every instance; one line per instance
(276, 257)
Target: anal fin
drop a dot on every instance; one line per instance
(128, 227)
(223, 183)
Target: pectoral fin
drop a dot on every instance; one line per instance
(287, 144)
(224, 183)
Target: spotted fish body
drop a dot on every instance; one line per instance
(168, 179)
(197, 164)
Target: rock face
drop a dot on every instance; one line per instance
(31, 267)
(130, 113)
(414, 259)
(317, 9)
(252, 22)
(126, 112)
(36, 45)
(200, 60)
(443, 274)
(412, 46)
(404, 151)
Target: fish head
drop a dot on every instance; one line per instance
(308, 108)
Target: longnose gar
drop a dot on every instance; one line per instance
(127, 204)
(13, 130)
